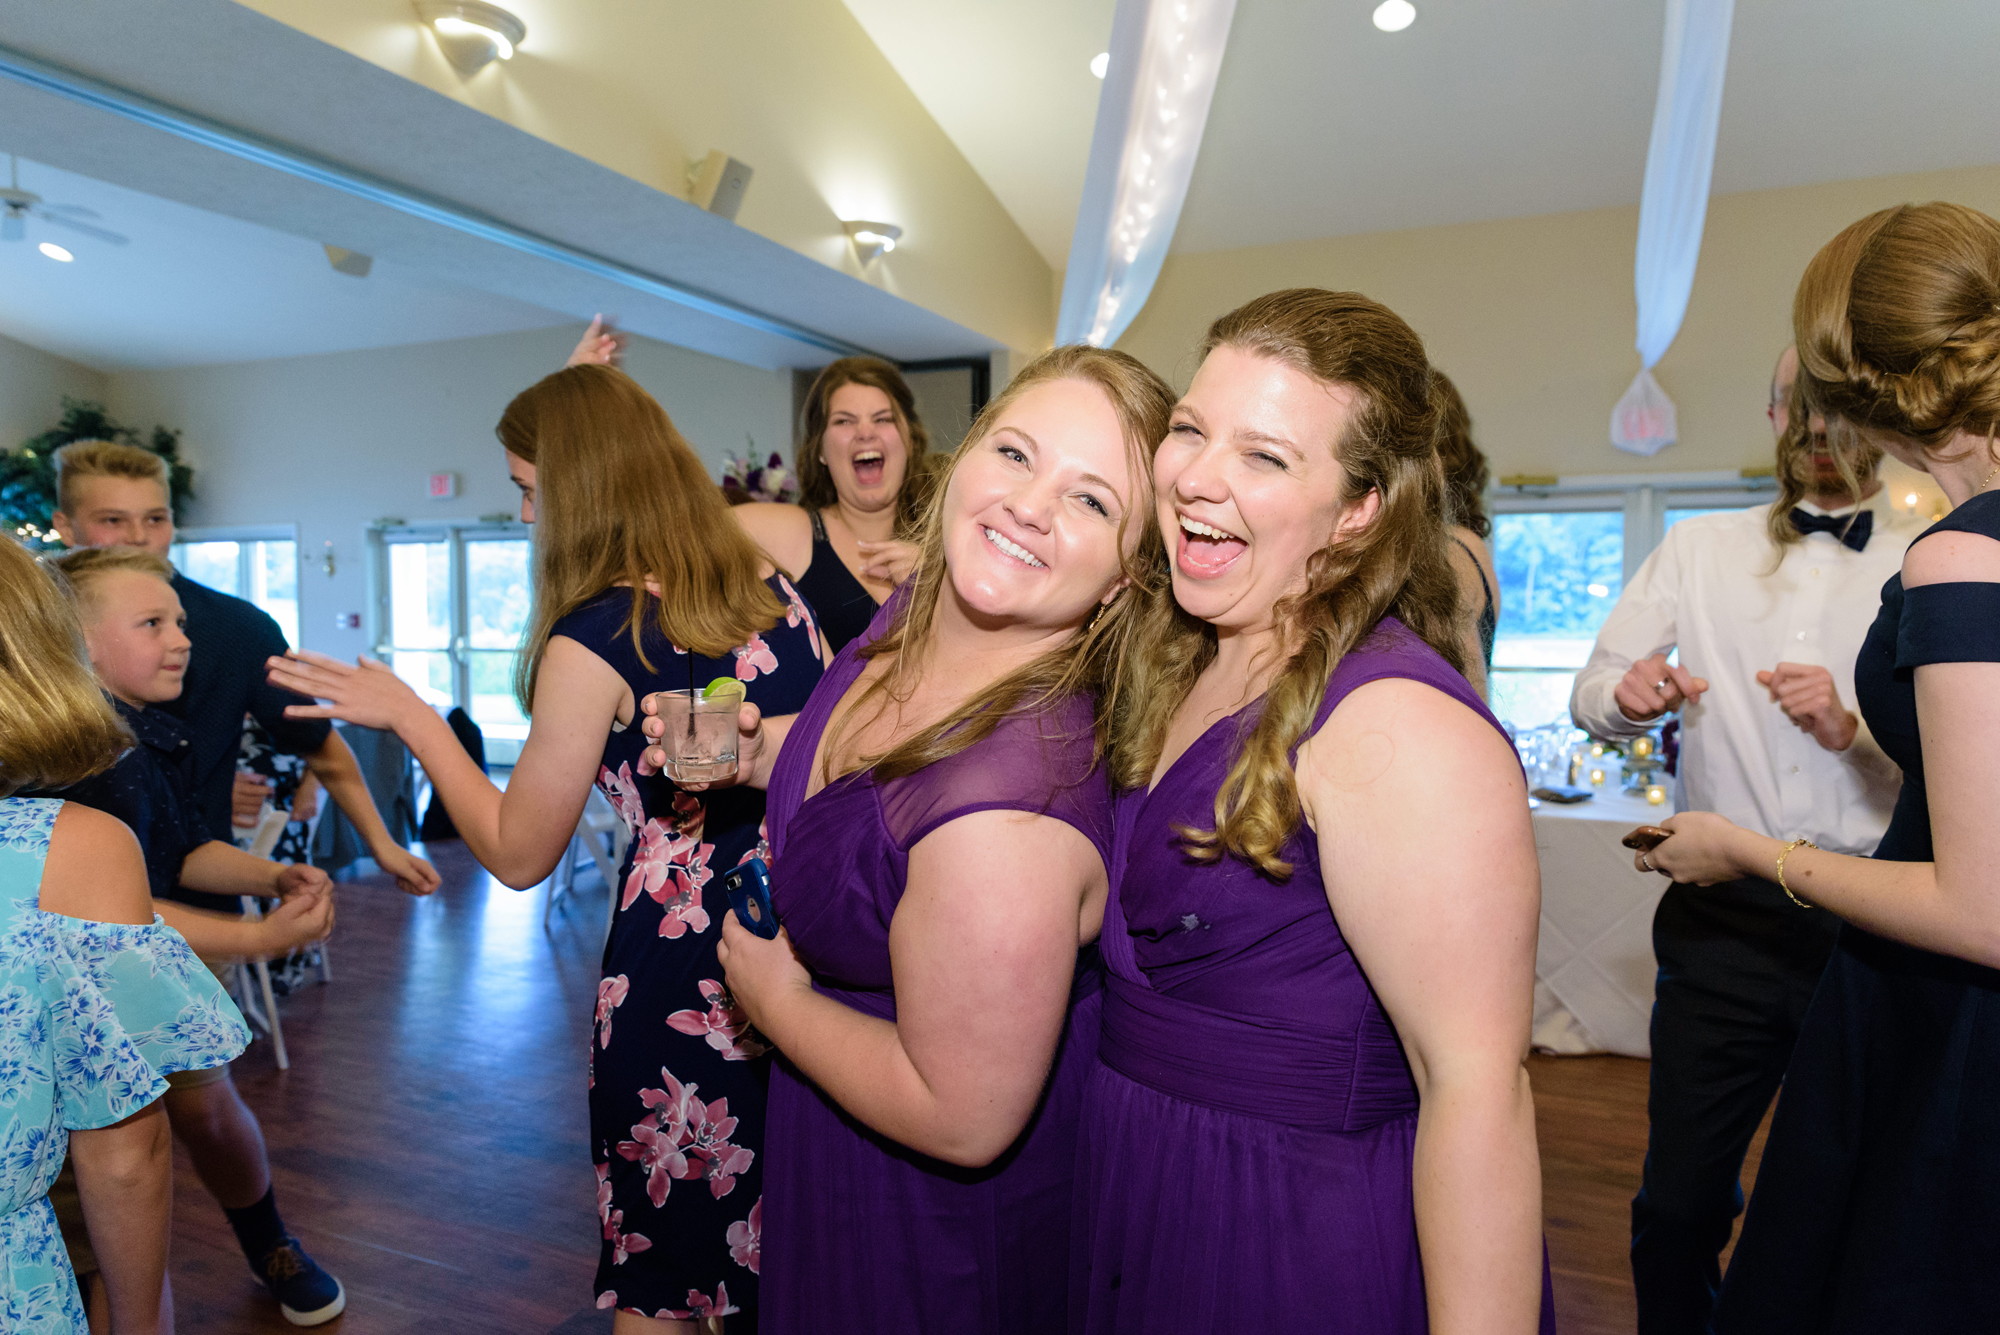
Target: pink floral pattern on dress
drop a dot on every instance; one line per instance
(611, 994)
(671, 864)
(700, 1305)
(746, 1239)
(623, 792)
(685, 1139)
(797, 613)
(723, 1024)
(753, 658)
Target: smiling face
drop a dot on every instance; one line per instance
(1248, 486)
(117, 512)
(523, 474)
(863, 448)
(133, 627)
(1032, 511)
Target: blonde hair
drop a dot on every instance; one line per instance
(83, 568)
(1398, 565)
(1089, 661)
(1898, 325)
(816, 490)
(621, 498)
(56, 726)
(82, 459)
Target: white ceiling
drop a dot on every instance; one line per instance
(1324, 126)
(1010, 82)
(192, 288)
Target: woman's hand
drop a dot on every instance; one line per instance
(413, 875)
(367, 693)
(599, 346)
(1707, 849)
(759, 973)
(888, 562)
(750, 741)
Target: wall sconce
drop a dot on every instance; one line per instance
(872, 238)
(471, 33)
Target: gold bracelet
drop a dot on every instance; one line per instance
(1796, 843)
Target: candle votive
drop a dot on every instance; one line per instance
(1642, 747)
(1656, 795)
(1597, 748)
(1596, 778)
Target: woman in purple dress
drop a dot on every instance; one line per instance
(940, 825)
(1306, 1119)
(637, 567)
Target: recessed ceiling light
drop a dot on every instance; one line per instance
(1395, 15)
(55, 252)
(1100, 63)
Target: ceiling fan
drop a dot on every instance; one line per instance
(19, 204)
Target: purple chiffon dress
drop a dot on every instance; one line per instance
(1245, 1157)
(860, 1233)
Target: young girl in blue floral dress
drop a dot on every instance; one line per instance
(638, 565)
(99, 1000)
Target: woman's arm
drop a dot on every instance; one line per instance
(1952, 905)
(339, 773)
(124, 1178)
(983, 960)
(783, 531)
(1422, 819)
(518, 835)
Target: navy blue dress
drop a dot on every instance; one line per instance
(1877, 1208)
(678, 1079)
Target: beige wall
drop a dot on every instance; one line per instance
(331, 443)
(32, 386)
(793, 87)
(1533, 317)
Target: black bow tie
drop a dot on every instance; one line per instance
(1850, 529)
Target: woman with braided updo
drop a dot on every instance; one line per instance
(1875, 1206)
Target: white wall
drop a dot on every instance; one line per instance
(334, 442)
(32, 385)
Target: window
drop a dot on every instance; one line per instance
(1564, 548)
(451, 605)
(260, 565)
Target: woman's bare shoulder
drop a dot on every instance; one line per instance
(783, 531)
(94, 869)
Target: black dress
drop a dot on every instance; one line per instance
(843, 606)
(677, 1078)
(1877, 1208)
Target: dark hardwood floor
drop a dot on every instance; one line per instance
(429, 1145)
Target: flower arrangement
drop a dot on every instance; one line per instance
(743, 479)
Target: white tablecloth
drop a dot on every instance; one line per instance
(1594, 963)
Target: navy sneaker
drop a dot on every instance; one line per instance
(306, 1294)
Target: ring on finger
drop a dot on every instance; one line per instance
(1662, 684)
(1646, 861)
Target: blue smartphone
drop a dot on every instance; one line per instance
(749, 891)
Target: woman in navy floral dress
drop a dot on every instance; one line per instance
(637, 566)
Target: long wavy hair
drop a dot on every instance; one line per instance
(1898, 326)
(1466, 474)
(816, 480)
(1088, 662)
(1854, 458)
(56, 726)
(1398, 565)
(622, 499)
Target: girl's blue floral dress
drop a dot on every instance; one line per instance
(92, 1018)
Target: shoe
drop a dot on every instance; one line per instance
(306, 1294)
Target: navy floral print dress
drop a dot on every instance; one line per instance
(678, 1079)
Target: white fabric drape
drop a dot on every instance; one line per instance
(1673, 205)
(1165, 55)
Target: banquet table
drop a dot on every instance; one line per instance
(1594, 960)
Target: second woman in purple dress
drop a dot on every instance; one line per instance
(940, 828)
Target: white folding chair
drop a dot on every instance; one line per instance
(600, 833)
(264, 837)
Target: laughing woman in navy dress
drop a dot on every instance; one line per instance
(1875, 1206)
(637, 565)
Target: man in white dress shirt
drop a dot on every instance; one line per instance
(1768, 607)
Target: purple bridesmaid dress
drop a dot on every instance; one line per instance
(1245, 1157)
(860, 1233)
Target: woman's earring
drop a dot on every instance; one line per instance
(1096, 616)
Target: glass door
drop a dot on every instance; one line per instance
(451, 606)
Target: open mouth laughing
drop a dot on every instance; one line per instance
(1205, 551)
(1013, 549)
(868, 467)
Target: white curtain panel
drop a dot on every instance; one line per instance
(1165, 55)
(1672, 207)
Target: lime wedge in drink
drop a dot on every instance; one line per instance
(724, 688)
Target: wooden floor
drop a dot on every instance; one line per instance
(429, 1147)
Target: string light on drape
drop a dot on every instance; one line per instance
(1673, 206)
(1164, 58)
